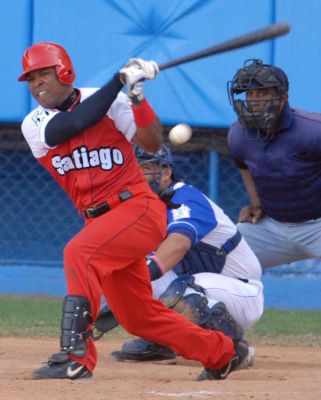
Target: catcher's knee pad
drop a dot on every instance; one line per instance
(193, 306)
(76, 319)
(177, 288)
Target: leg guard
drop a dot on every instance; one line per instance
(75, 322)
(219, 319)
(195, 307)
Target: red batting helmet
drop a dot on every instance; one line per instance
(46, 54)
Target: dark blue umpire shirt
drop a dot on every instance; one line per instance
(286, 167)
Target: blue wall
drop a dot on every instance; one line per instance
(102, 35)
(288, 292)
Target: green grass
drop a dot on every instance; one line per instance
(288, 328)
(30, 316)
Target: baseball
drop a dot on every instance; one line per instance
(180, 134)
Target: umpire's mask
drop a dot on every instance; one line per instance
(256, 76)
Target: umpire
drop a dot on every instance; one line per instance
(278, 151)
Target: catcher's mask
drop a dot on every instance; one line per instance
(163, 158)
(44, 55)
(256, 76)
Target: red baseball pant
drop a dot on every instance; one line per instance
(109, 256)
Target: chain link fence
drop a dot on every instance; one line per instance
(38, 218)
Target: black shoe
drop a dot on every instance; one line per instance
(142, 350)
(59, 366)
(243, 359)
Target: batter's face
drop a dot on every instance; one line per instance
(46, 89)
(155, 172)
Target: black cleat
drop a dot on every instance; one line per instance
(59, 366)
(243, 359)
(142, 350)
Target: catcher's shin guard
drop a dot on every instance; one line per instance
(194, 306)
(75, 323)
(219, 319)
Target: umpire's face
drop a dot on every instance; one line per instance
(46, 89)
(260, 99)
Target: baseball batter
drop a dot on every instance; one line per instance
(83, 138)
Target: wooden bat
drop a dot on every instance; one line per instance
(267, 33)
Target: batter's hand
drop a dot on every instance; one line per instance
(137, 70)
(251, 214)
(133, 75)
(150, 68)
(136, 94)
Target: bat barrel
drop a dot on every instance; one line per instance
(269, 32)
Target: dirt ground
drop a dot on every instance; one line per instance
(278, 374)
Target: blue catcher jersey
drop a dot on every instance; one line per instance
(208, 228)
(198, 218)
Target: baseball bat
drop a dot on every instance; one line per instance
(269, 32)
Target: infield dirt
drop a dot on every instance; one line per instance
(278, 373)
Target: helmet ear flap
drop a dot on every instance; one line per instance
(65, 75)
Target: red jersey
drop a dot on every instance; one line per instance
(95, 164)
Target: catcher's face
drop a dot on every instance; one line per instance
(158, 174)
(46, 89)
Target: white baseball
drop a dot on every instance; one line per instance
(180, 134)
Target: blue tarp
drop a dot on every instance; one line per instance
(101, 35)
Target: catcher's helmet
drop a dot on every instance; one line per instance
(162, 157)
(256, 76)
(46, 54)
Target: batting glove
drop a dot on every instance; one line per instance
(136, 94)
(133, 75)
